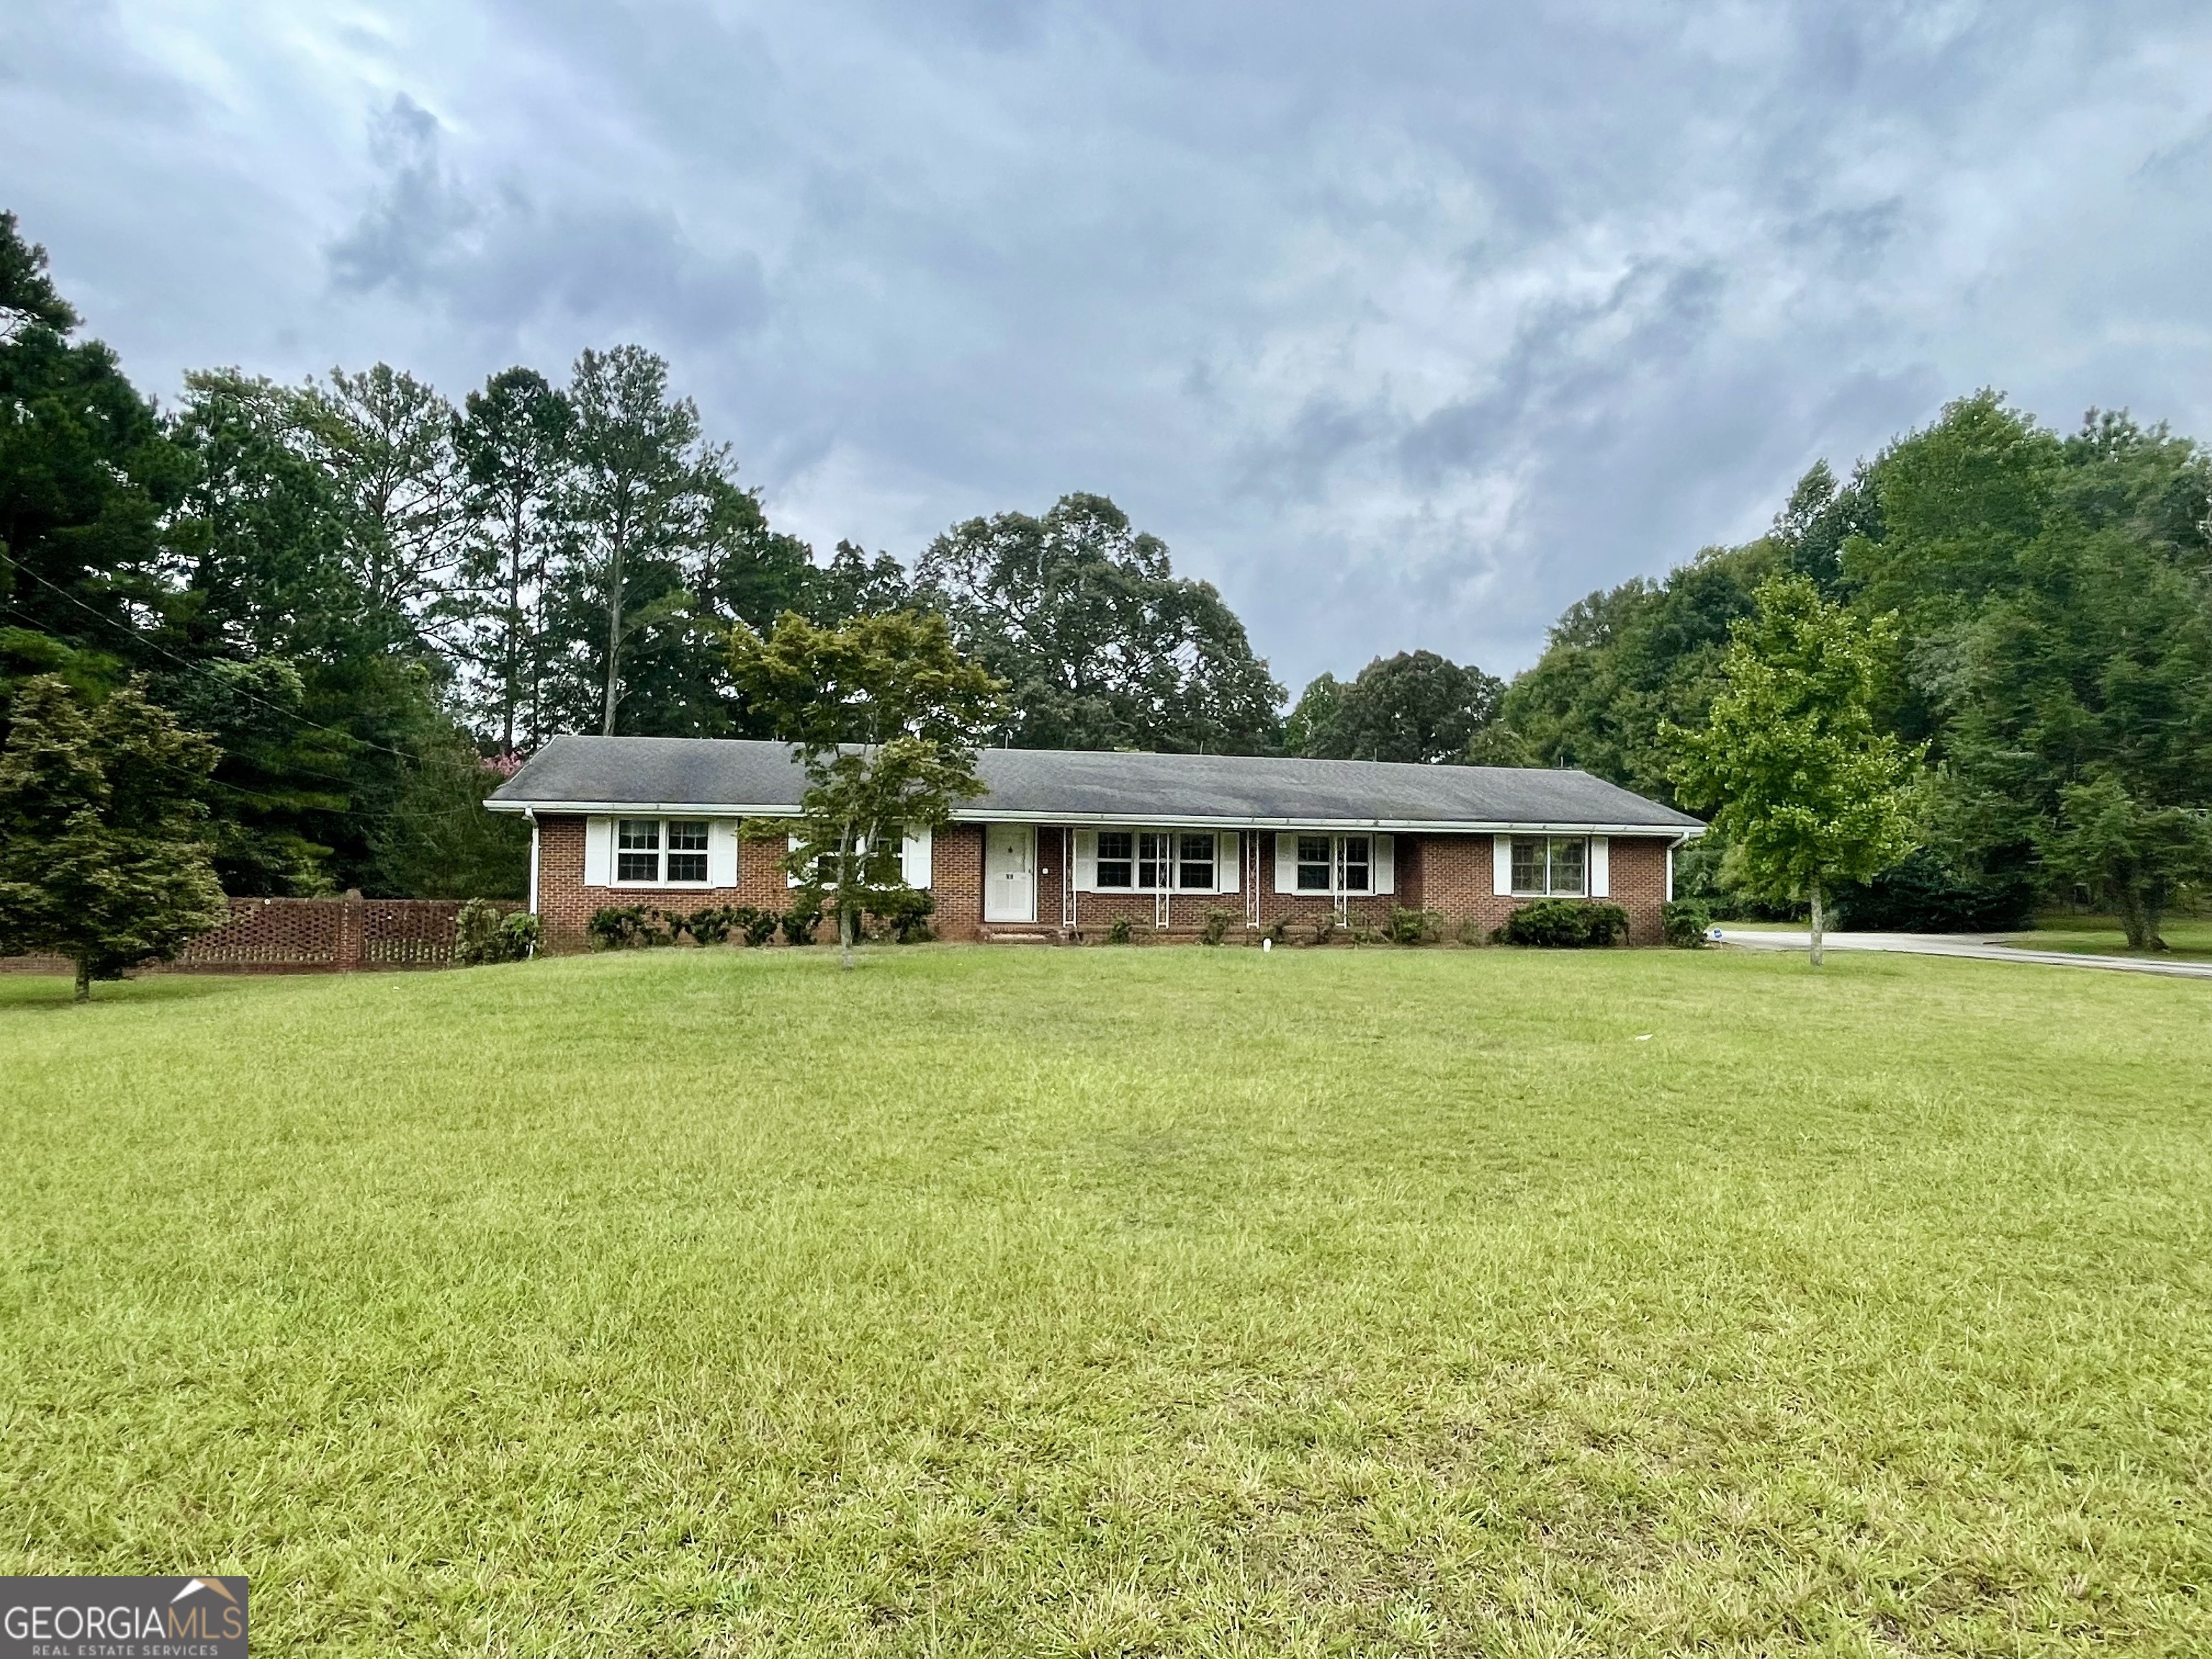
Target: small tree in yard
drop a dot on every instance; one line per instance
(886, 716)
(103, 851)
(1808, 793)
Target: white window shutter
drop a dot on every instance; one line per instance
(598, 852)
(1087, 861)
(1286, 862)
(721, 852)
(1501, 865)
(914, 857)
(1228, 860)
(791, 877)
(1385, 865)
(1670, 874)
(1601, 868)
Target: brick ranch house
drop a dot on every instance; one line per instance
(1063, 842)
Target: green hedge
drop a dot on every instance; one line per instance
(1564, 925)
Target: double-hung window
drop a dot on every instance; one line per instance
(1316, 863)
(660, 852)
(1555, 867)
(1117, 858)
(687, 850)
(1155, 861)
(1336, 863)
(637, 850)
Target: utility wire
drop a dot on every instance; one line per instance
(139, 639)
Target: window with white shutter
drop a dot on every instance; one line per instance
(598, 852)
(1601, 867)
(1556, 866)
(915, 856)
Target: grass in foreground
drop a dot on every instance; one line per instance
(1167, 1301)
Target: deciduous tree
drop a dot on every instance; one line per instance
(1103, 646)
(1808, 793)
(886, 715)
(1415, 707)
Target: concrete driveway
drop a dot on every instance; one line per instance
(1987, 947)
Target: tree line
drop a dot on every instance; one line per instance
(373, 600)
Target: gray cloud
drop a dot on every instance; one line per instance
(1406, 324)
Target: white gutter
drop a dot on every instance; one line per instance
(1132, 821)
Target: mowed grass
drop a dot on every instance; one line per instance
(2188, 939)
(1141, 1301)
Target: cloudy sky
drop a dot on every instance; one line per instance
(1406, 324)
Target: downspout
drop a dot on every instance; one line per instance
(531, 814)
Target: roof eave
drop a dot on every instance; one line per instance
(1139, 820)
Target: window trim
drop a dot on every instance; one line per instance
(1513, 867)
(1167, 857)
(662, 852)
(1336, 863)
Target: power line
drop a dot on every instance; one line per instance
(140, 639)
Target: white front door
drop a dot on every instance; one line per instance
(1010, 873)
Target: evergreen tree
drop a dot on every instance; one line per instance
(103, 854)
(89, 480)
(512, 446)
(632, 501)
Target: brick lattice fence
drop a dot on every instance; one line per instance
(309, 936)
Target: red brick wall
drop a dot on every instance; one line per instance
(1460, 876)
(955, 876)
(567, 905)
(1451, 874)
(309, 935)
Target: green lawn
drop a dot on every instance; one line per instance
(2191, 939)
(1137, 1300)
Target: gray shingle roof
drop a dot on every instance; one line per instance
(580, 774)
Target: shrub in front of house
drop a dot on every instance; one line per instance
(483, 933)
(713, 924)
(1414, 926)
(1216, 928)
(1120, 931)
(905, 912)
(799, 922)
(1564, 925)
(1687, 921)
(628, 927)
